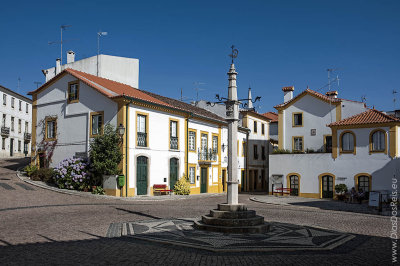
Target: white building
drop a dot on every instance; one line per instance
(16, 119)
(164, 138)
(336, 141)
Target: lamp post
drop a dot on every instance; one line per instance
(121, 132)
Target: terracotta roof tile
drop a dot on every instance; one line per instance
(272, 116)
(309, 91)
(368, 117)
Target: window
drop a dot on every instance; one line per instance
(96, 123)
(12, 102)
(262, 129)
(255, 126)
(192, 174)
(347, 140)
(192, 141)
(204, 141)
(20, 106)
(297, 119)
(19, 126)
(173, 131)
(255, 152)
(377, 141)
(26, 148)
(141, 130)
(27, 108)
(26, 127)
(243, 149)
(12, 123)
(3, 143)
(215, 144)
(363, 183)
(73, 92)
(263, 153)
(3, 124)
(4, 99)
(298, 144)
(19, 145)
(51, 128)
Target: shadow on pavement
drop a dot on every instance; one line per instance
(139, 213)
(336, 206)
(14, 163)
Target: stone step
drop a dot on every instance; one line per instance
(257, 220)
(232, 208)
(257, 229)
(232, 215)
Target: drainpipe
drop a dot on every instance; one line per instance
(247, 158)
(126, 149)
(187, 145)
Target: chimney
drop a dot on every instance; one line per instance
(58, 66)
(288, 93)
(249, 102)
(70, 57)
(332, 94)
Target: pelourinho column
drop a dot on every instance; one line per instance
(232, 114)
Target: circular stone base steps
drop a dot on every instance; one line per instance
(234, 219)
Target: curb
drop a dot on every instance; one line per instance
(107, 197)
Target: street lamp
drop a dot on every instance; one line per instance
(121, 131)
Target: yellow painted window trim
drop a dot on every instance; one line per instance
(218, 144)
(238, 148)
(169, 133)
(363, 174)
(102, 123)
(77, 91)
(243, 148)
(288, 180)
(320, 182)
(51, 119)
(195, 140)
(302, 119)
(195, 176)
(146, 115)
(324, 136)
(370, 141)
(212, 171)
(201, 134)
(302, 141)
(354, 151)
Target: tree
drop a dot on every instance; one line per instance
(105, 154)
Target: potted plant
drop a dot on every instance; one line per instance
(105, 156)
(341, 190)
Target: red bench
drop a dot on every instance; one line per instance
(282, 190)
(161, 188)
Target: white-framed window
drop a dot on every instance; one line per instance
(4, 99)
(12, 102)
(378, 141)
(298, 144)
(347, 142)
(12, 123)
(215, 144)
(97, 123)
(192, 173)
(204, 141)
(26, 127)
(3, 123)
(19, 126)
(173, 130)
(73, 92)
(27, 108)
(51, 127)
(141, 131)
(20, 105)
(192, 141)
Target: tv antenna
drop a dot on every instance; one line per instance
(364, 98)
(37, 83)
(198, 89)
(18, 84)
(330, 71)
(62, 28)
(394, 99)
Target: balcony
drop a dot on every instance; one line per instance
(27, 136)
(173, 143)
(5, 131)
(141, 139)
(207, 155)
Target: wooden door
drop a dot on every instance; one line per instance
(173, 172)
(11, 147)
(224, 180)
(203, 180)
(294, 185)
(141, 175)
(327, 186)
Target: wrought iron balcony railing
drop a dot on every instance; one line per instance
(207, 154)
(141, 139)
(5, 131)
(27, 136)
(173, 143)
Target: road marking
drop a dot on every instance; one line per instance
(24, 186)
(6, 186)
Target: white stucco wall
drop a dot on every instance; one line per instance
(24, 115)
(72, 119)
(121, 69)
(350, 108)
(316, 115)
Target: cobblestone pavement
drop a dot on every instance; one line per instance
(38, 226)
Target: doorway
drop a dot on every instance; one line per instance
(224, 180)
(327, 186)
(242, 181)
(141, 175)
(203, 180)
(294, 185)
(11, 147)
(173, 172)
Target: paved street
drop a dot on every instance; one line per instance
(38, 226)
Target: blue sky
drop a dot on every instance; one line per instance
(179, 43)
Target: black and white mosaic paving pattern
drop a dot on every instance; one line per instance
(282, 237)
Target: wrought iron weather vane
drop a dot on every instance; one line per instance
(234, 53)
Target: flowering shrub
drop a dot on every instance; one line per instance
(182, 187)
(72, 174)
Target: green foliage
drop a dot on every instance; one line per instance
(72, 174)
(105, 154)
(43, 174)
(182, 187)
(98, 190)
(341, 188)
(30, 170)
(281, 151)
